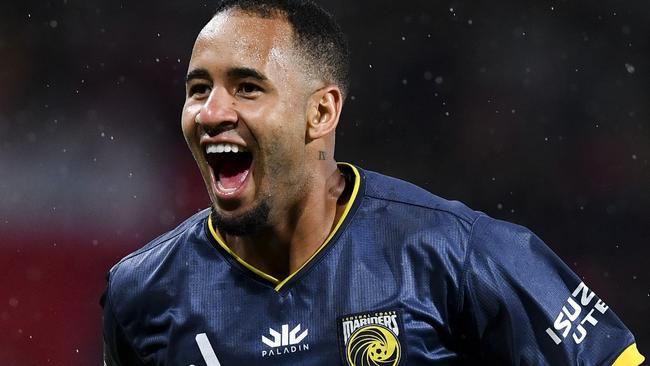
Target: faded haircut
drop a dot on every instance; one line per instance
(317, 35)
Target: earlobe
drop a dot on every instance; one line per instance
(324, 116)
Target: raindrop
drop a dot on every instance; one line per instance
(13, 302)
(630, 68)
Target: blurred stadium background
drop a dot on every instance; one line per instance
(536, 113)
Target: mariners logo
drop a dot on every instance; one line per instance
(372, 339)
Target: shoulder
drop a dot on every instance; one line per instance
(396, 203)
(413, 198)
(136, 269)
(404, 218)
(494, 235)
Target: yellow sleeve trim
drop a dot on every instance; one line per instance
(629, 357)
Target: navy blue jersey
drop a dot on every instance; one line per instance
(405, 278)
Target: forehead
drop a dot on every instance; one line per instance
(234, 38)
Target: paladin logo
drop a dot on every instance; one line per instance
(285, 341)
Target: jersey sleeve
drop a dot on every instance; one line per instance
(524, 306)
(117, 349)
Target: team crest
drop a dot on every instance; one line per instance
(372, 339)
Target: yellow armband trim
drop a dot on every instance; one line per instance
(629, 357)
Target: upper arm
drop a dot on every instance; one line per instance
(527, 307)
(118, 351)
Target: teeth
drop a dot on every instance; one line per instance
(224, 147)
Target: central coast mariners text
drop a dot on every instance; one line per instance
(386, 318)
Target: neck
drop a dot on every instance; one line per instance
(298, 234)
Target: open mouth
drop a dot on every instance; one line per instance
(231, 164)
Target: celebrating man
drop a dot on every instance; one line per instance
(305, 261)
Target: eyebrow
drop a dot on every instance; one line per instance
(233, 73)
(245, 72)
(198, 74)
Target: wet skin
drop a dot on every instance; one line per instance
(249, 85)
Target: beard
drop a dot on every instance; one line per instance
(251, 222)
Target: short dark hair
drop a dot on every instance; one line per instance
(317, 35)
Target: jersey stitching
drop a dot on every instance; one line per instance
(464, 270)
(181, 229)
(109, 303)
(464, 219)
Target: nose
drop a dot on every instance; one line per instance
(217, 113)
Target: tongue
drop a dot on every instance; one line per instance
(233, 171)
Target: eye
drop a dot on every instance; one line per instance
(248, 89)
(199, 90)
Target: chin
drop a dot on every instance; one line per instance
(249, 222)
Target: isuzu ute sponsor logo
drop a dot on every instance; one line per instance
(569, 321)
(285, 341)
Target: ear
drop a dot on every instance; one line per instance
(325, 108)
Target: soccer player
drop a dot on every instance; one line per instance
(301, 260)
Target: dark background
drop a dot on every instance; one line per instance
(534, 112)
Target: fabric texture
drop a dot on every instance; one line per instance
(408, 278)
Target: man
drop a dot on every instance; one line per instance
(303, 261)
